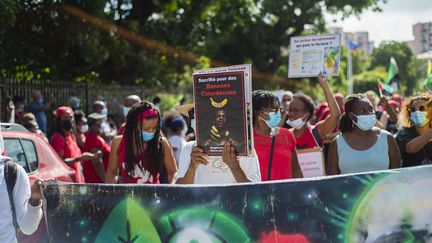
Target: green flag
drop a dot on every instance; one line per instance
(427, 83)
(393, 70)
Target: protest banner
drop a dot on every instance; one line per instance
(310, 55)
(222, 99)
(385, 206)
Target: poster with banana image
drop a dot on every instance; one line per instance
(223, 98)
(310, 55)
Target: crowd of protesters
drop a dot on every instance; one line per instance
(357, 133)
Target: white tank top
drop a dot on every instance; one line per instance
(372, 159)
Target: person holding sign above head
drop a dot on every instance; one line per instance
(300, 111)
(361, 147)
(275, 146)
(196, 167)
(141, 153)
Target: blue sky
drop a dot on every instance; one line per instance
(393, 23)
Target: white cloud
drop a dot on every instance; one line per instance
(393, 23)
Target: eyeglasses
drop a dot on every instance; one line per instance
(420, 108)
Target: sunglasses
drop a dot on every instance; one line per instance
(420, 108)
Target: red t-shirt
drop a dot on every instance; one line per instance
(69, 147)
(94, 141)
(282, 154)
(324, 114)
(142, 174)
(306, 140)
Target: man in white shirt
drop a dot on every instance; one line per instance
(28, 205)
(195, 167)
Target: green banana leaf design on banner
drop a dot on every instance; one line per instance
(128, 222)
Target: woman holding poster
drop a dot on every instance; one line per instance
(300, 111)
(274, 146)
(141, 153)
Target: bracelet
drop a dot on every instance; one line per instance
(32, 204)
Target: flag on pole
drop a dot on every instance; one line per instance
(393, 72)
(384, 89)
(352, 45)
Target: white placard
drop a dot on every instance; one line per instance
(310, 55)
(311, 162)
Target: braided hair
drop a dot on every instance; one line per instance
(346, 124)
(153, 153)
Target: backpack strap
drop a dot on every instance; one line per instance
(271, 158)
(10, 174)
(316, 136)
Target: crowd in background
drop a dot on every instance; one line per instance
(358, 133)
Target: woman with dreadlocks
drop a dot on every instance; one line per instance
(141, 152)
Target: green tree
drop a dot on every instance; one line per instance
(367, 80)
(405, 59)
(35, 35)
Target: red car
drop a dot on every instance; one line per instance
(38, 158)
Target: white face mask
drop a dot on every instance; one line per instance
(125, 111)
(193, 124)
(104, 111)
(84, 128)
(365, 122)
(297, 123)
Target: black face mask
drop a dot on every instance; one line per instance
(67, 125)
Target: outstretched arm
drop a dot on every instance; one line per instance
(327, 125)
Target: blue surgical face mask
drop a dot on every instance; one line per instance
(419, 118)
(274, 120)
(365, 122)
(147, 136)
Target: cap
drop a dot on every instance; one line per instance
(64, 110)
(184, 109)
(99, 102)
(96, 116)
